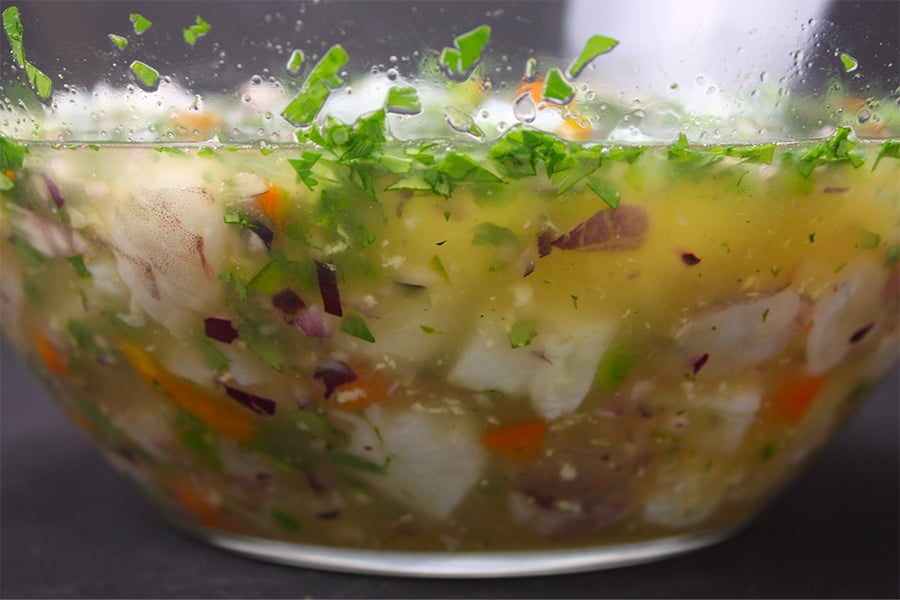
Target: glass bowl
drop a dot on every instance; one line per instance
(453, 288)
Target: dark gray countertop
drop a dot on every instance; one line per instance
(72, 528)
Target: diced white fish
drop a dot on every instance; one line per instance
(169, 245)
(432, 460)
(850, 306)
(48, 237)
(488, 362)
(684, 496)
(741, 335)
(732, 408)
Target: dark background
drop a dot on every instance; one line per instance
(73, 528)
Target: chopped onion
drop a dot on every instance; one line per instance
(621, 229)
(334, 373)
(54, 191)
(860, 333)
(689, 258)
(219, 329)
(287, 301)
(327, 275)
(315, 323)
(258, 404)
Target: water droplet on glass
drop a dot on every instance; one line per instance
(524, 108)
(255, 80)
(392, 74)
(863, 115)
(461, 121)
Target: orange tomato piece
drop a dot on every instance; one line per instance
(272, 203)
(368, 388)
(54, 359)
(793, 399)
(519, 442)
(195, 504)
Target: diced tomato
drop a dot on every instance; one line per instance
(519, 442)
(792, 400)
(53, 359)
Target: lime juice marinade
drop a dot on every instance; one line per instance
(531, 344)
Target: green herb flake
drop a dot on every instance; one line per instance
(614, 368)
(593, 48)
(556, 89)
(770, 451)
(11, 155)
(357, 327)
(522, 333)
(893, 254)
(458, 61)
(438, 266)
(302, 110)
(197, 437)
(870, 240)
(344, 459)
(118, 41)
(28, 254)
(890, 149)
(574, 301)
(765, 314)
(857, 393)
(262, 345)
(12, 24)
(145, 74)
(77, 263)
(284, 519)
(5, 182)
(850, 63)
(429, 330)
(403, 100)
(207, 152)
(488, 234)
(80, 335)
(195, 31)
(812, 238)
(303, 167)
(212, 355)
(295, 61)
(836, 149)
(140, 23)
(605, 191)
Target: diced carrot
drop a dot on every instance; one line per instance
(369, 387)
(574, 129)
(195, 504)
(218, 413)
(535, 88)
(54, 359)
(201, 125)
(272, 202)
(521, 442)
(792, 400)
(11, 174)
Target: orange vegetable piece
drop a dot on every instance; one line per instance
(368, 388)
(202, 125)
(574, 129)
(195, 504)
(272, 202)
(793, 399)
(11, 174)
(219, 414)
(54, 359)
(519, 442)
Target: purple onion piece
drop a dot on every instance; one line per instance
(327, 275)
(607, 230)
(545, 242)
(263, 232)
(699, 361)
(54, 191)
(689, 258)
(334, 373)
(835, 190)
(257, 404)
(287, 301)
(860, 333)
(219, 329)
(315, 323)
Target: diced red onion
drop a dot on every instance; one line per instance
(219, 329)
(689, 258)
(835, 190)
(263, 232)
(327, 275)
(860, 333)
(54, 191)
(258, 404)
(334, 373)
(315, 323)
(287, 301)
(545, 242)
(621, 229)
(699, 361)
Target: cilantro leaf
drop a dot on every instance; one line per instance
(578, 165)
(302, 110)
(460, 167)
(357, 327)
(140, 23)
(606, 191)
(457, 62)
(196, 31)
(556, 89)
(836, 149)
(11, 155)
(488, 234)
(593, 48)
(438, 266)
(118, 40)
(303, 166)
(850, 63)
(145, 74)
(890, 149)
(295, 61)
(403, 100)
(12, 24)
(522, 333)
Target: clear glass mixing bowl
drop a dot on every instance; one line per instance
(453, 288)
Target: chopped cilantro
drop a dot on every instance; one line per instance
(765, 314)
(403, 100)
(429, 330)
(302, 110)
(209, 152)
(438, 266)
(850, 63)
(593, 48)
(614, 368)
(770, 451)
(11, 155)
(118, 41)
(556, 89)
(285, 520)
(344, 459)
(522, 333)
(28, 254)
(295, 61)
(870, 240)
(357, 327)
(140, 23)
(77, 263)
(197, 437)
(12, 24)
(836, 149)
(264, 345)
(303, 167)
(488, 234)
(416, 182)
(893, 254)
(761, 153)
(460, 167)
(146, 74)
(5, 182)
(395, 164)
(575, 167)
(195, 31)
(606, 191)
(213, 357)
(890, 149)
(457, 62)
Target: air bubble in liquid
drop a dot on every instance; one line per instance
(524, 108)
